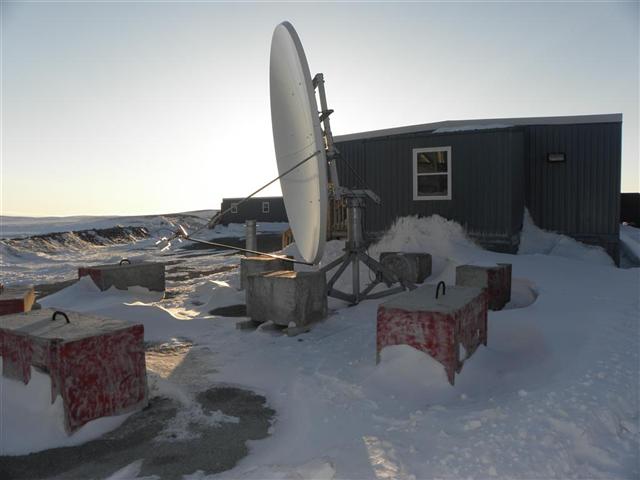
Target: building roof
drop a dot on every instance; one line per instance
(482, 124)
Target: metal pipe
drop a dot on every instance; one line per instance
(355, 235)
(355, 277)
(319, 81)
(251, 242)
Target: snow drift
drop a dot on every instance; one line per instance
(536, 240)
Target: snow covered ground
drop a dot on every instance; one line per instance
(26, 263)
(553, 395)
(630, 238)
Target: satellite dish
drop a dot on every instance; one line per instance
(296, 137)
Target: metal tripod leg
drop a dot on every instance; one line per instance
(388, 276)
(383, 274)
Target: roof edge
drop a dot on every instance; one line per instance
(479, 124)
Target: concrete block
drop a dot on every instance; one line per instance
(16, 299)
(254, 265)
(496, 279)
(122, 275)
(449, 328)
(286, 297)
(97, 365)
(410, 267)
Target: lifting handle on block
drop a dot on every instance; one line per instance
(125, 260)
(444, 289)
(58, 312)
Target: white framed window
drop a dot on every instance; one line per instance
(265, 207)
(432, 173)
(234, 208)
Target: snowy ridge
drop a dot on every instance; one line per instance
(26, 226)
(36, 250)
(75, 240)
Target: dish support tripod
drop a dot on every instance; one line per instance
(355, 250)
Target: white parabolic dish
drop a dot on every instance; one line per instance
(296, 136)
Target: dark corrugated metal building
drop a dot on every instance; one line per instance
(261, 209)
(483, 173)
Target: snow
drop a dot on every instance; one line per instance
(30, 422)
(554, 394)
(131, 471)
(535, 240)
(408, 374)
(630, 237)
(316, 469)
(178, 427)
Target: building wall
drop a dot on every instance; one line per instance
(252, 210)
(495, 174)
(579, 197)
(487, 181)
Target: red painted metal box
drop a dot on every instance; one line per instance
(448, 328)
(496, 279)
(96, 364)
(16, 299)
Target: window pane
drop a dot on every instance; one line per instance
(432, 162)
(432, 185)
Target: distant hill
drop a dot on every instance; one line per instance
(11, 227)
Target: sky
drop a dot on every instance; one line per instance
(154, 107)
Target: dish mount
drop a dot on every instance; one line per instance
(306, 158)
(355, 250)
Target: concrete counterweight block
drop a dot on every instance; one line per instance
(16, 299)
(285, 296)
(449, 328)
(496, 279)
(410, 267)
(96, 364)
(123, 275)
(254, 265)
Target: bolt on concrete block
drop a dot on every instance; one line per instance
(410, 267)
(254, 265)
(123, 275)
(287, 298)
(496, 279)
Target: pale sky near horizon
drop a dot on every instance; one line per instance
(156, 107)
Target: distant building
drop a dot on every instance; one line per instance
(630, 208)
(261, 209)
(483, 173)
